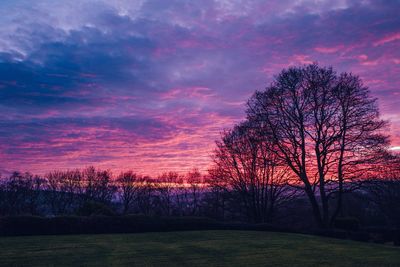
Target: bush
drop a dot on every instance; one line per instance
(347, 223)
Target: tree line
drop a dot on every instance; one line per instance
(93, 191)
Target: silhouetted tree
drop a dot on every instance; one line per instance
(384, 190)
(128, 183)
(145, 195)
(195, 188)
(64, 190)
(166, 189)
(215, 198)
(189, 193)
(21, 194)
(324, 126)
(245, 165)
(97, 185)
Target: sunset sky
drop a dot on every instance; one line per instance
(149, 85)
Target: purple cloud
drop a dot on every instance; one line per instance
(150, 85)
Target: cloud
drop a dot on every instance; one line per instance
(150, 84)
(390, 38)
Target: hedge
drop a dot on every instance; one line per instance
(33, 225)
(100, 224)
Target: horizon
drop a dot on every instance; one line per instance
(150, 86)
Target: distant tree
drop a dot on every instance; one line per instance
(189, 192)
(165, 187)
(64, 190)
(98, 185)
(383, 189)
(21, 193)
(35, 196)
(145, 195)
(324, 126)
(195, 188)
(215, 198)
(128, 183)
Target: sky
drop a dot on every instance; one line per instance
(150, 85)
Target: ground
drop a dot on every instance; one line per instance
(197, 248)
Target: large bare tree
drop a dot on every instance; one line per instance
(325, 127)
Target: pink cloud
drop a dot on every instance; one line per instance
(195, 92)
(387, 39)
(301, 59)
(328, 50)
(179, 73)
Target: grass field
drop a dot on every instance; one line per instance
(197, 248)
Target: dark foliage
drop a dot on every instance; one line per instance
(34, 225)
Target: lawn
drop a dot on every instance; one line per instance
(196, 248)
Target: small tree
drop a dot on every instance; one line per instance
(145, 195)
(64, 190)
(97, 185)
(21, 194)
(194, 186)
(128, 186)
(245, 167)
(166, 189)
(189, 192)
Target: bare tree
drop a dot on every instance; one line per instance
(383, 189)
(145, 195)
(361, 146)
(21, 194)
(215, 198)
(245, 165)
(166, 190)
(324, 127)
(34, 198)
(64, 190)
(195, 188)
(128, 185)
(189, 192)
(97, 185)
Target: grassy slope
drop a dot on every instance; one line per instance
(201, 248)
